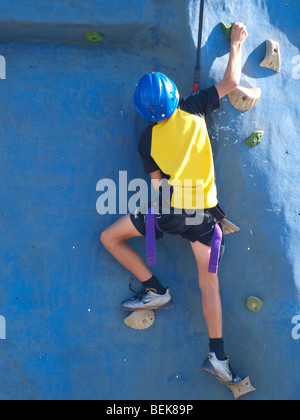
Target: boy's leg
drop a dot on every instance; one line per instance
(217, 363)
(209, 285)
(114, 240)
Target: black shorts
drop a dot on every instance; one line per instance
(174, 224)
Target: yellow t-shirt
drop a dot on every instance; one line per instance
(180, 147)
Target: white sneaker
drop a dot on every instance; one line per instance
(147, 299)
(220, 369)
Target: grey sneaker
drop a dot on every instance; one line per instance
(220, 370)
(147, 299)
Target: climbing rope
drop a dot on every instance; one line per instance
(198, 59)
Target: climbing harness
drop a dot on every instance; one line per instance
(215, 250)
(152, 225)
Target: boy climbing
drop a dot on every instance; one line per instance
(176, 147)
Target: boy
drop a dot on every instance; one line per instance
(176, 147)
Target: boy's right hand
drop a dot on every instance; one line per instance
(239, 33)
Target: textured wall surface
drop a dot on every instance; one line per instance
(67, 121)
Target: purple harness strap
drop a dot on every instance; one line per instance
(151, 224)
(215, 250)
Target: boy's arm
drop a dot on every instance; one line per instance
(233, 73)
(156, 178)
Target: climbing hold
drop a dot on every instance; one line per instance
(255, 138)
(94, 36)
(243, 98)
(229, 227)
(254, 304)
(242, 388)
(227, 27)
(140, 319)
(272, 59)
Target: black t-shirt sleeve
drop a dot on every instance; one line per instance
(202, 103)
(145, 151)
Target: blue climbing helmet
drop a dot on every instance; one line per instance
(156, 97)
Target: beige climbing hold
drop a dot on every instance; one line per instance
(272, 59)
(242, 388)
(140, 319)
(229, 227)
(244, 99)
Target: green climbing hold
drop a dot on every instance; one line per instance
(94, 36)
(227, 27)
(254, 304)
(255, 138)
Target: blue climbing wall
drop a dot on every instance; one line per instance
(67, 121)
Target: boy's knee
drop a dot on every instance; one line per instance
(105, 238)
(209, 282)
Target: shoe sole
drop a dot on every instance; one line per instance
(223, 382)
(167, 305)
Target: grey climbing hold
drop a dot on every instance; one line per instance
(227, 28)
(255, 138)
(272, 59)
(244, 99)
(242, 388)
(140, 319)
(229, 227)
